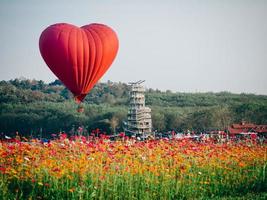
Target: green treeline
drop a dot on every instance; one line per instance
(33, 107)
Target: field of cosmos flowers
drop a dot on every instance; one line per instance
(98, 168)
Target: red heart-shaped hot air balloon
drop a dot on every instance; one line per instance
(79, 57)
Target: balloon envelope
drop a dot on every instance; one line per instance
(79, 57)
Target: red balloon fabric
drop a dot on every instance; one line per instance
(79, 57)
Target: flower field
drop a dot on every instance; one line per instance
(85, 168)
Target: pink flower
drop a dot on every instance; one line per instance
(63, 136)
(121, 134)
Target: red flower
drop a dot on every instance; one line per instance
(121, 134)
(2, 170)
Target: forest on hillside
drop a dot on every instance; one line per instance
(32, 107)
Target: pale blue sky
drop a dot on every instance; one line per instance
(187, 46)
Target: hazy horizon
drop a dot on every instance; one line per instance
(182, 46)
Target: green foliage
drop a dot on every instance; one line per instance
(34, 107)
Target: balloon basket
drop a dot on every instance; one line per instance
(80, 109)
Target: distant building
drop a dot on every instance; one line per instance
(244, 127)
(139, 116)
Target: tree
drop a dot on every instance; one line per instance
(173, 121)
(114, 122)
(222, 117)
(31, 105)
(158, 120)
(55, 83)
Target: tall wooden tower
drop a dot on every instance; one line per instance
(139, 116)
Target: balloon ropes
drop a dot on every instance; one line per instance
(78, 56)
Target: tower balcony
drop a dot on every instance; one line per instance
(137, 88)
